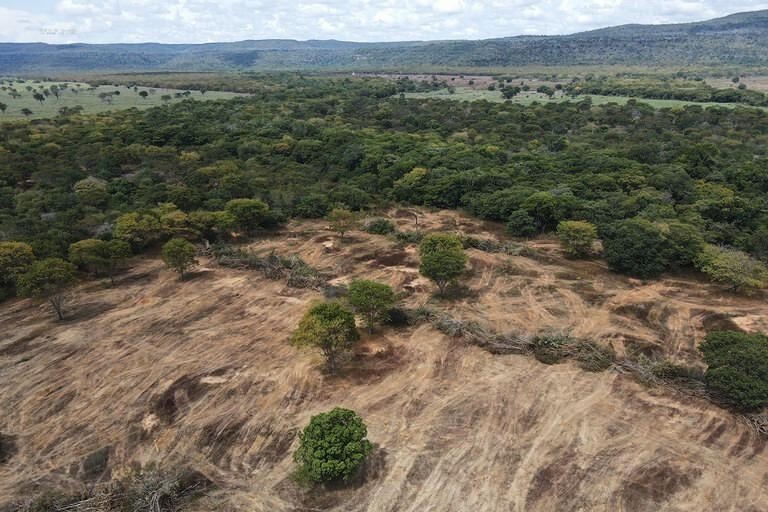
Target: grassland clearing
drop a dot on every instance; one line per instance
(19, 95)
(201, 374)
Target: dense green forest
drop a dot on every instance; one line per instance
(735, 40)
(658, 184)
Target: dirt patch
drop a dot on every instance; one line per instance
(655, 483)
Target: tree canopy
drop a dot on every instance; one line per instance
(333, 446)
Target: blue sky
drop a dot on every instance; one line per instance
(188, 21)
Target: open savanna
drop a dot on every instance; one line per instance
(88, 97)
(528, 97)
(200, 374)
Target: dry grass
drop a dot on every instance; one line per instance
(200, 374)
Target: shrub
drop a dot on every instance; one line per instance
(409, 237)
(15, 259)
(734, 268)
(380, 227)
(179, 255)
(371, 299)
(737, 367)
(138, 229)
(442, 259)
(332, 447)
(577, 237)
(328, 327)
(521, 224)
(636, 246)
(396, 317)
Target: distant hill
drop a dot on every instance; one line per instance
(738, 39)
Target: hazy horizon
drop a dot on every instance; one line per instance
(205, 21)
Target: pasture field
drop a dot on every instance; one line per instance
(19, 94)
(528, 97)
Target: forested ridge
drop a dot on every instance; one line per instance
(735, 40)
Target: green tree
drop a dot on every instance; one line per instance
(737, 367)
(3, 107)
(732, 267)
(371, 299)
(47, 279)
(329, 327)
(179, 255)
(636, 246)
(341, 221)
(332, 447)
(89, 254)
(521, 224)
(26, 112)
(248, 213)
(442, 259)
(15, 259)
(91, 191)
(577, 237)
(138, 229)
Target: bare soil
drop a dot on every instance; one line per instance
(200, 374)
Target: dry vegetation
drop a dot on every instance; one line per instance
(199, 374)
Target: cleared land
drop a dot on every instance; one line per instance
(83, 95)
(200, 373)
(528, 97)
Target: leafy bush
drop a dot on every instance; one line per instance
(409, 237)
(636, 246)
(380, 226)
(577, 237)
(737, 367)
(396, 317)
(332, 447)
(734, 268)
(521, 224)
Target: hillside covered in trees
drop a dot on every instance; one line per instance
(735, 40)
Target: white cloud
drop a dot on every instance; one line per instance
(356, 20)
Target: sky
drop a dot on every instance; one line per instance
(200, 21)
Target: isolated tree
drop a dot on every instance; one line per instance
(143, 94)
(371, 299)
(166, 98)
(341, 221)
(329, 327)
(577, 237)
(47, 279)
(737, 367)
(55, 91)
(248, 213)
(26, 112)
(179, 255)
(138, 229)
(15, 259)
(442, 259)
(39, 97)
(734, 268)
(3, 107)
(332, 447)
